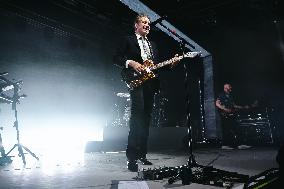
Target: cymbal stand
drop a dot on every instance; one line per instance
(20, 147)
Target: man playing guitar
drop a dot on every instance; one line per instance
(227, 107)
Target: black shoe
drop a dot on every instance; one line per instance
(145, 161)
(132, 166)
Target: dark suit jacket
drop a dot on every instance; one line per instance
(129, 49)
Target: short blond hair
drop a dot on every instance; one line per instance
(138, 18)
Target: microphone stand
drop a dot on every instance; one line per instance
(185, 172)
(191, 160)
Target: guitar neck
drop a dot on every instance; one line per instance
(164, 63)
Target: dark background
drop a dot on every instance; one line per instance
(62, 50)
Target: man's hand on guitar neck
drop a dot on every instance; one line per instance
(175, 60)
(241, 107)
(253, 105)
(139, 68)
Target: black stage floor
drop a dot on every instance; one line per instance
(108, 170)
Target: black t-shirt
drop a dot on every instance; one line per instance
(226, 100)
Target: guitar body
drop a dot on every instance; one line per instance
(134, 79)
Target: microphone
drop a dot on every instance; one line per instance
(182, 40)
(158, 21)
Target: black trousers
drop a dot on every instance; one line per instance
(230, 131)
(142, 99)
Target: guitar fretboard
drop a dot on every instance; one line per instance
(167, 62)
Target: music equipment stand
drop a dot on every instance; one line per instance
(21, 147)
(3, 159)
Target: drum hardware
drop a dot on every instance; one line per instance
(159, 118)
(121, 110)
(123, 95)
(256, 126)
(126, 115)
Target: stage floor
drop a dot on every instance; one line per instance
(102, 170)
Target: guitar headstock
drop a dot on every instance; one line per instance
(192, 54)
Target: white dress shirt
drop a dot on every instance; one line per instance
(143, 53)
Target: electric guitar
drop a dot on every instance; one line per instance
(134, 79)
(231, 114)
(235, 112)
